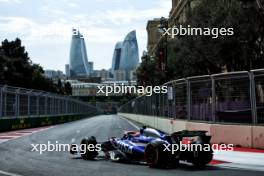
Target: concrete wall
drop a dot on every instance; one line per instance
(258, 137)
(241, 135)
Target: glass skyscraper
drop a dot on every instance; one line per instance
(78, 56)
(117, 56)
(129, 54)
(126, 57)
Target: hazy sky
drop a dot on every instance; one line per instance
(44, 26)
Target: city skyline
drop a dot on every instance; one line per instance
(45, 29)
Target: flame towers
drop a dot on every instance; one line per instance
(79, 65)
(117, 56)
(129, 55)
(125, 57)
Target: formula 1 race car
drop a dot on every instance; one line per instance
(154, 147)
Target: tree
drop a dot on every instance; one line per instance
(59, 87)
(18, 70)
(193, 55)
(68, 88)
(197, 55)
(148, 73)
(40, 82)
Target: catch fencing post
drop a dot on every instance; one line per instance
(37, 108)
(66, 105)
(253, 97)
(188, 99)
(4, 90)
(17, 103)
(46, 104)
(213, 100)
(28, 102)
(1, 102)
(174, 101)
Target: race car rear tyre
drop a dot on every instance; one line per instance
(201, 158)
(155, 156)
(87, 154)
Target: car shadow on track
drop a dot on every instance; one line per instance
(182, 166)
(190, 167)
(98, 158)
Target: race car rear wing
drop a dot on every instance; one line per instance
(176, 137)
(186, 133)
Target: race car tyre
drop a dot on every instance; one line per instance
(87, 154)
(201, 158)
(73, 150)
(155, 156)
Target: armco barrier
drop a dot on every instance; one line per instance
(237, 134)
(9, 124)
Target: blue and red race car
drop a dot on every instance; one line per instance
(154, 147)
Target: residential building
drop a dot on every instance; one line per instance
(153, 35)
(104, 74)
(119, 75)
(54, 74)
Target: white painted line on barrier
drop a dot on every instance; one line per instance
(8, 173)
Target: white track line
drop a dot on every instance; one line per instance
(131, 123)
(241, 166)
(8, 173)
(3, 140)
(237, 157)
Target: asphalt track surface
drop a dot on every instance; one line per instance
(16, 157)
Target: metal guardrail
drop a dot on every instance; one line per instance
(236, 97)
(20, 102)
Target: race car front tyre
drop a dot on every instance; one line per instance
(87, 154)
(155, 156)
